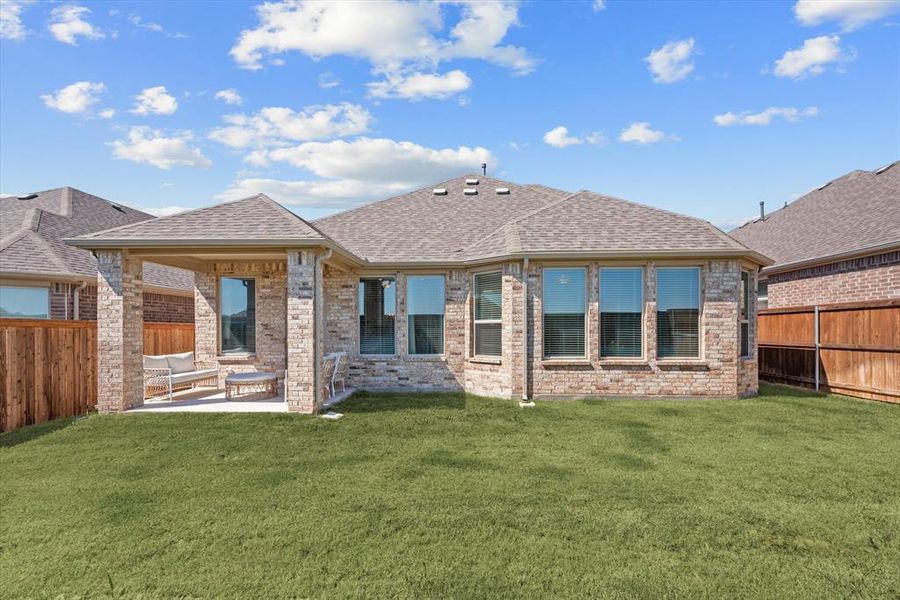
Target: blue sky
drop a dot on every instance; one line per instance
(701, 108)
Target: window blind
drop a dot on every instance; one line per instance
(678, 312)
(377, 309)
(563, 307)
(621, 309)
(425, 314)
(745, 313)
(488, 314)
(237, 309)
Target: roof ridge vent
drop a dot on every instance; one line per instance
(470, 192)
(880, 170)
(27, 197)
(824, 186)
(472, 181)
(439, 191)
(502, 191)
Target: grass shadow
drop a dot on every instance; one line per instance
(369, 402)
(33, 432)
(788, 391)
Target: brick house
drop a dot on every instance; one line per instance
(838, 243)
(474, 284)
(43, 277)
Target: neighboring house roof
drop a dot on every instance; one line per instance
(856, 214)
(32, 233)
(454, 227)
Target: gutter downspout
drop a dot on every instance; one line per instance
(66, 301)
(317, 315)
(525, 402)
(76, 312)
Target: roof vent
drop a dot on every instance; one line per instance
(27, 196)
(471, 182)
(439, 191)
(470, 191)
(884, 168)
(502, 191)
(117, 207)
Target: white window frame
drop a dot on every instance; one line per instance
(46, 288)
(701, 350)
(477, 322)
(587, 296)
(600, 269)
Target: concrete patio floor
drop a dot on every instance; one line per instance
(213, 401)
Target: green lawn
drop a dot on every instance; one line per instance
(786, 495)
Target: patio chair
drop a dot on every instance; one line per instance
(166, 372)
(327, 373)
(341, 368)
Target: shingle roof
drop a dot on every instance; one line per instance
(256, 218)
(32, 233)
(852, 213)
(420, 226)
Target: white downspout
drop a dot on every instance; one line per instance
(76, 312)
(525, 402)
(66, 301)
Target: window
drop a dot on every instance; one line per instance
(377, 309)
(762, 294)
(488, 314)
(237, 307)
(678, 312)
(564, 312)
(425, 314)
(24, 302)
(621, 311)
(744, 316)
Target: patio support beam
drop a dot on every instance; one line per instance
(302, 390)
(120, 331)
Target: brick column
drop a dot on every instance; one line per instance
(120, 331)
(205, 317)
(302, 389)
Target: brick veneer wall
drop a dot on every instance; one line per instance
(271, 306)
(158, 308)
(719, 373)
(867, 278)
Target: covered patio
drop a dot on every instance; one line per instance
(258, 302)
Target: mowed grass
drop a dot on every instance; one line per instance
(785, 495)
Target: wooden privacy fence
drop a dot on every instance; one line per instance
(856, 351)
(48, 369)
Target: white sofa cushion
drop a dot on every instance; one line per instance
(156, 362)
(193, 376)
(181, 363)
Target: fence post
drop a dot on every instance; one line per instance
(816, 311)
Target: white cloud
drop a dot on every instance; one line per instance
(75, 98)
(107, 113)
(672, 62)
(381, 160)
(393, 35)
(165, 211)
(137, 21)
(417, 86)
(364, 169)
(559, 137)
(156, 101)
(812, 58)
(328, 81)
(146, 145)
(599, 5)
(67, 24)
(764, 117)
(273, 126)
(11, 27)
(641, 133)
(229, 96)
(851, 14)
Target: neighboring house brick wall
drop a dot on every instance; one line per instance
(158, 308)
(868, 278)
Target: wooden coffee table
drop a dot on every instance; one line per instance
(251, 386)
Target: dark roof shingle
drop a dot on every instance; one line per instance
(852, 213)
